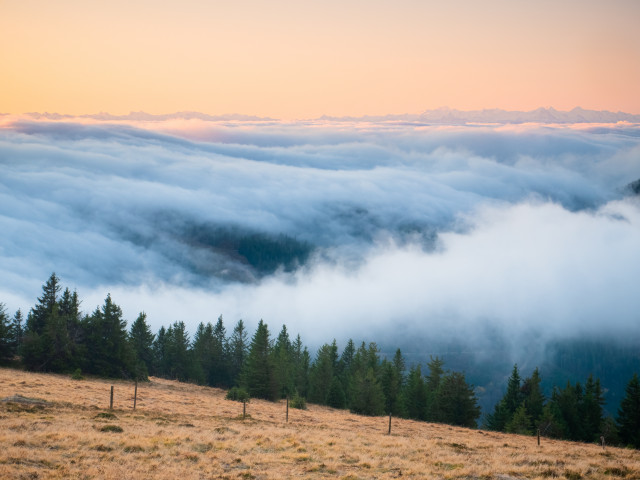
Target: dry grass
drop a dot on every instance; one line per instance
(189, 432)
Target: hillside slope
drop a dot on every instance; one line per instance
(184, 431)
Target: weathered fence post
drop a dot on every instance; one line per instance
(135, 395)
(111, 399)
(287, 408)
(538, 437)
(244, 408)
(389, 433)
(602, 441)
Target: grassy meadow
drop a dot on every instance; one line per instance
(55, 427)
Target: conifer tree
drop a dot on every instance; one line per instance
(178, 356)
(238, 346)
(6, 349)
(458, 402)
(219, 376)
(257, 375)
(110, 354)
(415, 394)
(533, 398)
(17, 331)
(282, 358)
(141, 340)
(322, 373)
(629, 414)
(432, 388)
(591, 410)
(520, 422)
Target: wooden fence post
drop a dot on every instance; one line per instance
(244, 408)
(287, 408)
(602, 441)
(135, 395)
(111, 399)
(538, 437)
(389, 433)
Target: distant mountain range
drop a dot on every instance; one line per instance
(440, 116)
(448, 116)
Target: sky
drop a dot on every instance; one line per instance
(433, 230)
(301, 59)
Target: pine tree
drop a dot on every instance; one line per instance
(322, 373)
(282, 358)
(219, 373)
(335, 397)
(178, 356)
(160, 367)
(367, 398)
(591, 410)
(458, 402)
(110, 354)
(36, 345)
(629, 414)
(257, 375)
(238, 345)
(507, 406)
(533, 398)
(520, 422)
(301, 364)
(6, 347)
(17, 332)
(141, 340)
(415, 395)
(432, 388)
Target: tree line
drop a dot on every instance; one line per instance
(57, 337)
(574, 412)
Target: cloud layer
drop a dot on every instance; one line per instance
(434, 228)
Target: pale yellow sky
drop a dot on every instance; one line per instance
(301, 59)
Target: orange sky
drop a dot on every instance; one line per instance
(301, 59)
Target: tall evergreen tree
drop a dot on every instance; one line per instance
(178, 358)
(322, 372)
(282, 359)
(591, 410)
(160, 367)
(415, 394)
(110, 354)
(432, 389)
(458, 402)
(141, 340)
(36, 345)
(301, 364)
(533, 398)
(17, 331)
(6, 346)
(629, 414)
(238, 347)
(257, 375)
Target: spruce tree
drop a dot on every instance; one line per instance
(533, 398)
(629, 414)
(257, 376)
(591, 410)
(458, 402)
(17, 331)
(6, 344)
(520, 422)
(415, 395)
(141, 340)
(238, 346)
(109, 352)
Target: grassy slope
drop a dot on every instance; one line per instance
(185, 431)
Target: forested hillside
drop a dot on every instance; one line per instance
(57, 337)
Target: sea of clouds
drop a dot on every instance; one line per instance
(416, 229)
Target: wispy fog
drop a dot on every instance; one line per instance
(401, 227)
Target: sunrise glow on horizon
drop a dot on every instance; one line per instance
(293, 60)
